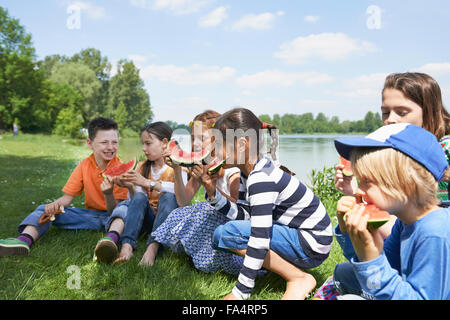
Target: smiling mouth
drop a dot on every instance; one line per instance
(108, 154)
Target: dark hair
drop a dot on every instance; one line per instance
(424, 91)
(162, 131)
(100, 123)
(244, 119)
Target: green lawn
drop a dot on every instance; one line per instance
(33, 169)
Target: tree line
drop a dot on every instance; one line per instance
(60, 94)
(307, 123)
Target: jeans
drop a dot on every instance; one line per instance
(140, 218)
(72, 219)
(284, 241)
(346, 282)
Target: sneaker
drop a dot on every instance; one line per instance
(327, 291)
(13, 247)
(106, 250)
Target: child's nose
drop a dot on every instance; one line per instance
(392, 119)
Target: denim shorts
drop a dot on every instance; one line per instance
(284, 241)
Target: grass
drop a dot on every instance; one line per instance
(33, 169)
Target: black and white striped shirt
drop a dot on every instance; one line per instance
(269, 195)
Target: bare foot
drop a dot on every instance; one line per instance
(148, 260)
(126, 252)
(299, 288)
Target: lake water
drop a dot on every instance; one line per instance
(299, 153)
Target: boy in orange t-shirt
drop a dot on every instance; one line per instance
(101, 195)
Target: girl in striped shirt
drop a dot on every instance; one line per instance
(277, 223)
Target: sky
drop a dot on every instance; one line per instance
(271, 56)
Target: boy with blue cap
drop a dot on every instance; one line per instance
(399, 167)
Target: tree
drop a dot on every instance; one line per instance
(20, 82)
(83, 80)
(127, 98)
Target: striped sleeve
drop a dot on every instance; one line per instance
(261, 220)
(233, 211)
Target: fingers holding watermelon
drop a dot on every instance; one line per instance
(107, 185)
(368, 245)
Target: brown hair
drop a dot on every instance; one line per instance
(208, 117)
(424, 91)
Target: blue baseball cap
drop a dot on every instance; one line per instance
(416, 142)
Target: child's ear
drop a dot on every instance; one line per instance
(165, 142)
(89, 144)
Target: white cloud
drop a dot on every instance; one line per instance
(187, 76)
(365, 86)
(311, 19)
(93, 11)
(328, 46)
(178, 7)
(137, 58)
(282, 79)
(214, 18)
(263, 21)
(435, 69)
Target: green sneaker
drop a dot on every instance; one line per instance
(106, 250)
(13, 247)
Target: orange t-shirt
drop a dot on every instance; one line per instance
(87, 176)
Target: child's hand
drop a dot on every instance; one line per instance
(107, 186)
(198, 171)
(123, 184)
(52, 208)
(210, 183)
(134, 177)
(367, 245)
(347, 185)
(344, 205)
(168, 161)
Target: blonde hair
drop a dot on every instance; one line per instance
(397, 175)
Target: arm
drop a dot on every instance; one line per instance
(429, 273)
(53, 208)
(107, 188)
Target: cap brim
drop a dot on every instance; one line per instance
(345, 146)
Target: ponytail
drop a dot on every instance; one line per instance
(273, 132)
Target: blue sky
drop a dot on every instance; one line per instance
(272, 56)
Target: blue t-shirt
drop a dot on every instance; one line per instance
(415, 263)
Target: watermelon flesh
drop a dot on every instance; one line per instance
(347, 171)
(184, 158)
(120, 169)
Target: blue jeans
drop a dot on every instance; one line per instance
(284, 241)
(140, 218)
(346, 282)
(72, 219)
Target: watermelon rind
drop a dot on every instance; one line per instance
(375, 224)
(215, 169)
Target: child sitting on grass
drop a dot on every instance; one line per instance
(87, 177)
(399, 167)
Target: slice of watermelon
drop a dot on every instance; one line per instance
(120, 169)
(216, 166)
(347, 171)
(184, 158)
(377, 217)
